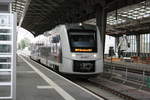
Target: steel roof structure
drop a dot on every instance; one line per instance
(38, 16)
(132, 19)
(19, 7)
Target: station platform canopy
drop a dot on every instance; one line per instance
(19, 7)
(38, 16)
(132, 19)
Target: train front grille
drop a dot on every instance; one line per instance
(83, 66)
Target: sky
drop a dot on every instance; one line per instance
(22, 33)
(109, 42)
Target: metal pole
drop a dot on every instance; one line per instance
(126, 73)
(14, 54)
(101, 24)
(101, 17)
(138, 44)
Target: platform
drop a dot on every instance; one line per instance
(35, 82)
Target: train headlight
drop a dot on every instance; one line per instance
(95, 55)
(73, 55)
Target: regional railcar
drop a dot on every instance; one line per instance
(73, 49)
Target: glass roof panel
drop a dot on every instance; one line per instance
(19, 6)
(134, 13)
(146, 15)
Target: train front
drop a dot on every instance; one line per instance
(82, 51)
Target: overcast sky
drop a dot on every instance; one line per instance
(22, 33)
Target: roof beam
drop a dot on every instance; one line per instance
(25, 10)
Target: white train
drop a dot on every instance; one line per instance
(72, 49)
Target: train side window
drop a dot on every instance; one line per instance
(56, 39)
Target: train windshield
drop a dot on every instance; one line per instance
(83, 41)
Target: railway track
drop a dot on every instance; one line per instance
(105, 87)
(125, 89)
(117, 93)
(109, 93)
(121, 91)
(97, 89)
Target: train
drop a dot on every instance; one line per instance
(70, 49)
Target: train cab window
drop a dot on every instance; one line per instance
(83, 41)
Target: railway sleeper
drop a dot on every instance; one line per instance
(120, 90)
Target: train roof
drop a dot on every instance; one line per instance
(79, 26)
(76, 26)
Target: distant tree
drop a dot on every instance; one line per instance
(23, 43)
